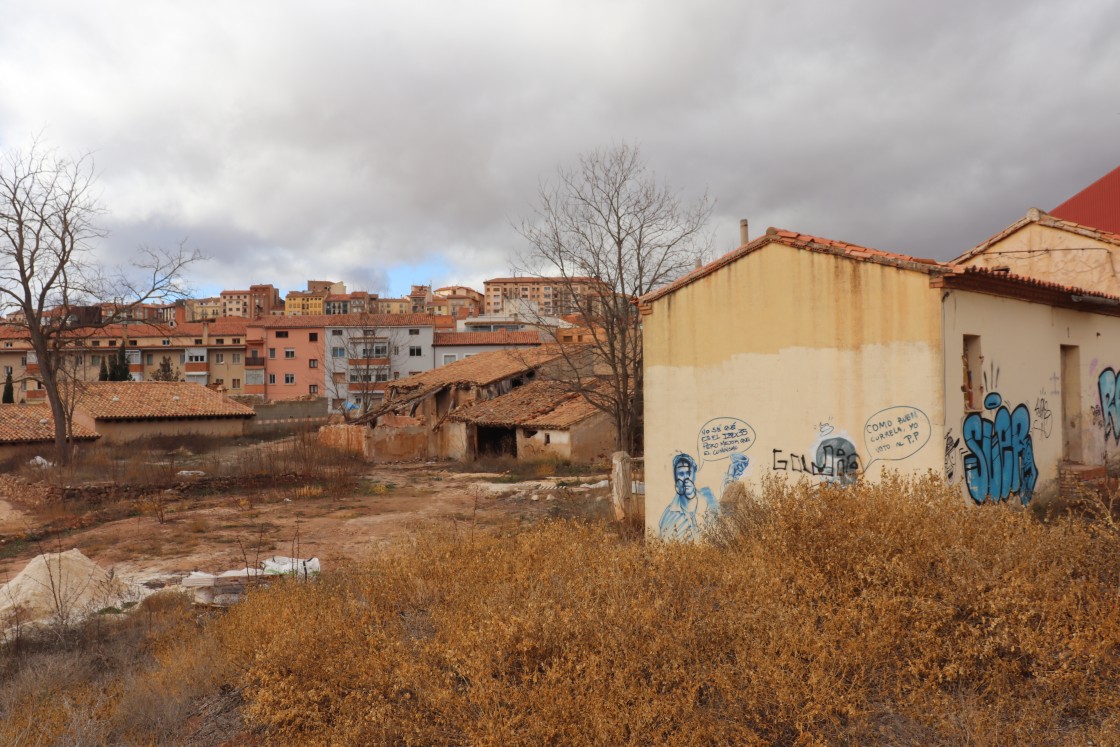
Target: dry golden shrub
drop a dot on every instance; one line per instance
(890, 613)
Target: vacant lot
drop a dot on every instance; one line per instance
(168, 511)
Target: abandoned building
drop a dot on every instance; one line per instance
(542, 419)
(413, 422)
(815, 358)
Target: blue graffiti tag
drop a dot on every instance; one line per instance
(1000, 458)
(1109, 387)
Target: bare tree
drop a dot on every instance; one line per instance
(609, 232)
(48, 213)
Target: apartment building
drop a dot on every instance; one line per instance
(203, 308)
(552, 296)
(209, 352)
(461, 297)
(259, 300)
(313, 301)
(347, 358)
(357, 302)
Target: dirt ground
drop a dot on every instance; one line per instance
(214, 533)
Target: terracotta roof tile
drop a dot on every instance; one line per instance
(33, 424)
(800, 241)
(538, 404)
(143, 400)
(487, 338)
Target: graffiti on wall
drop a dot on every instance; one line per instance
(999, 452)
(896, 433)
(718, 439)
(683, 516)
(833, 458)
(721, 437)
(1109, 386)
(1043, 418)
(951, 446)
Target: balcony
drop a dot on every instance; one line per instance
(196, 367)
(368, 386)
(367, 362)
(254, 362)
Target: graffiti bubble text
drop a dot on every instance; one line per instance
(896, 433)
(719, 438)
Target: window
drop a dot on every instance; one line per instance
(289, 378)
(313, 389)
(313, 363)
(382, 375)
(7, 370)
(219, 382)
(95, 360)
(235, 383)
(162, 342)
(237, 357)
(220, 341)
(7, 344)
(79, 360)
(369, 332)
(336, 333)
(415, 351)
(196, 358)
(413, 331)
(449, 358)
(272, 352)
(97, 343)
(150, 359)
(338, 352)
(381, 350)
(396, 375)
(313, 337)
(23, 360)
(198, 341)
(219, 357)
(133, 342)
(272, 378)
(112, 343)
(282, 333)
(289, 353)
(973, 360)
(236, 341)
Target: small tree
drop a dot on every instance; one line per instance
(610, 221)
(103, 375)
(118, 366)
(166, 371)
(9, 390)
(47, 227)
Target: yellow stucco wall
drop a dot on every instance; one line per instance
(810, 355)
(1057, 256)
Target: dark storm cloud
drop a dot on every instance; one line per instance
(353, 141)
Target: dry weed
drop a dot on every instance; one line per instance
(890, 613)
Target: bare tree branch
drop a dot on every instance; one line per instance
(609, 232)
(48, 281)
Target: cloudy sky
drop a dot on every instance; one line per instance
(389, 143)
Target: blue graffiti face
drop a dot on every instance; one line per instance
(1000, 459)
(1109, 386)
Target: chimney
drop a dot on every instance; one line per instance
(744, 232)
